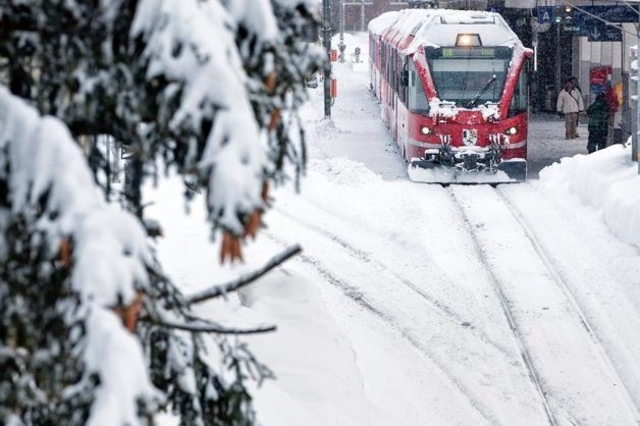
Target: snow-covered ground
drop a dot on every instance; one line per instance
(416, 304)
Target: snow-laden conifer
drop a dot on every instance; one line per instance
(208, 87)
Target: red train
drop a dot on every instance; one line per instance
(453, 88)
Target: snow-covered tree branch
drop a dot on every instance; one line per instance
(208, 87)
(57, 307)
(211, 87)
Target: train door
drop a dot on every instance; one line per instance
(384, 83)
(402, 113)
(393, 76)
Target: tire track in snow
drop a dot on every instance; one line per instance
(444, 310)
(352, 293)
(557, 276)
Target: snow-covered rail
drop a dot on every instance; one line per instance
(574, 377)
(545, 257)
(446, 311)
(510, 318)
(415, 295)
(381, 312)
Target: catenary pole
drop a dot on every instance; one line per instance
(636, 139)
(341, 47)
(326, 39)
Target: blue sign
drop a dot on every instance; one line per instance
(603, 32)
(614, 14)
(545, 14)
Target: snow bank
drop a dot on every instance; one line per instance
(607, 180)
(318, 380)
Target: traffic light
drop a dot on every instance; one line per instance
(564, 15)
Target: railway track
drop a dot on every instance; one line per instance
(345, 282)
(560, 281)
(514, 310)
(371, 306)
(366, 266)
(446, 311)
(509, 317)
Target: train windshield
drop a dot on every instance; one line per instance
(469, 76)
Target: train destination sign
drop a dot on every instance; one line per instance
(462, 52)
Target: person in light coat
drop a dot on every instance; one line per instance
(570, 104)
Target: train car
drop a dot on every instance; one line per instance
(453, 88)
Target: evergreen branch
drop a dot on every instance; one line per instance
(242, 280)
(207, 327)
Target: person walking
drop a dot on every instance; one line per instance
(571, 105)
(598, 113)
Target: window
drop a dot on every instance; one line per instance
(461, 80)
(417, 101)
(465, 76)
(520, 100)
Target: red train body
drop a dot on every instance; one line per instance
(453, 90)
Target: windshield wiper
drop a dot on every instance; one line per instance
(472, 103)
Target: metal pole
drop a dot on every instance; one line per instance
(362, 16)
(558, 60)
(341, 47)
(536, 94)
(326, 11)
(637, 140)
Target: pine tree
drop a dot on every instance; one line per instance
(210, 88)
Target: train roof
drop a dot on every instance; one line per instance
(440, 27)
(379, 24)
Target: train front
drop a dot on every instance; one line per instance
(472, 126)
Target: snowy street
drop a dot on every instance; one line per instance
(417, 304)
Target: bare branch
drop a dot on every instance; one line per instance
(208, 328)
(242, 280)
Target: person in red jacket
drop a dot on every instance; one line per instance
(611, 97)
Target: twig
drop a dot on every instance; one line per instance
(242, 280)
(208, 328)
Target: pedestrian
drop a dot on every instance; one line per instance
(576, 85)
(571, 105)
(611, 97)
(598, 113)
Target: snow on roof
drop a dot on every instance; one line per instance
(491, 27)
(439, 27)
(381, 23)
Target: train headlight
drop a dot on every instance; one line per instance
(513, 130)
(468, 40)
(425, 130)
